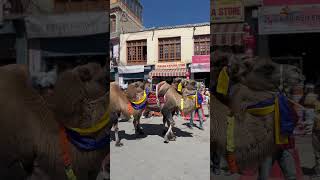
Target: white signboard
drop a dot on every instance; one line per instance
(289, 19)
(130, 69)
(67, 25)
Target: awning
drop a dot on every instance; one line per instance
(168, 73)
(134, 76)
(74, 46)
(227, 34)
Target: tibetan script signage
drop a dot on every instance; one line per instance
(171, 66)
(289, 19)
(225, 11)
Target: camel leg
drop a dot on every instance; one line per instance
(164, 125)
(166, 137)
(116, 134)
(172, 135)
(136, 122)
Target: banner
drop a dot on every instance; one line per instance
(67, 25)
(225, 11)
(288, 2)
(289, 19)
(200, 64)
(171, 66)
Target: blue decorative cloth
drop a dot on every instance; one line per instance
(87, 143)
(287, 113)
(287, 121)
(200, 98)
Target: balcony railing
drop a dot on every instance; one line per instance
(80, 6)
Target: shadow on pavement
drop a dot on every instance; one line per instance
(150, 130)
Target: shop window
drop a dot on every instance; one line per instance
(137, 52)
(202, 45)
(113, 24)
(170, 49)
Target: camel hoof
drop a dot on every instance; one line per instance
(119, 144)
(173, 138)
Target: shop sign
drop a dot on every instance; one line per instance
(171, 66)
(288, 2)
(67, 25)
(225, 11)
(289, 19)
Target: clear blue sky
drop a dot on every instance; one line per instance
(175, 12)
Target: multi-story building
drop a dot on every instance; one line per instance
(171, 50)
(125, 16)
(58, 32)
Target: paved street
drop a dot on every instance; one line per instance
(306, 158)
(150, 158)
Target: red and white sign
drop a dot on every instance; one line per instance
(171, 66)
(289, 19)
(200, 64)
(288, 2)
(224, 11)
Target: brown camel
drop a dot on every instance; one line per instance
(175, 102)
(254, 136)
(120, 102)
(31, 131)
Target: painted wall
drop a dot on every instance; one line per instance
(187, 42)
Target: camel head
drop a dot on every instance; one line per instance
(263, 74)
(81, 95)
(135, 91)
(189, 87)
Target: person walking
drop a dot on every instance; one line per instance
(198, 100)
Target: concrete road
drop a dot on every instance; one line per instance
(304, 146)
(149, 158)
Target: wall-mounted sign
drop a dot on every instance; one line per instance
(176, 65)
(288, 2)
(224, 11)
(289, 19)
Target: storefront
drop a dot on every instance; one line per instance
(200, 69)
(229, 31)
(168, 71)
(129, 74)
(64, 41)
(293, 34)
